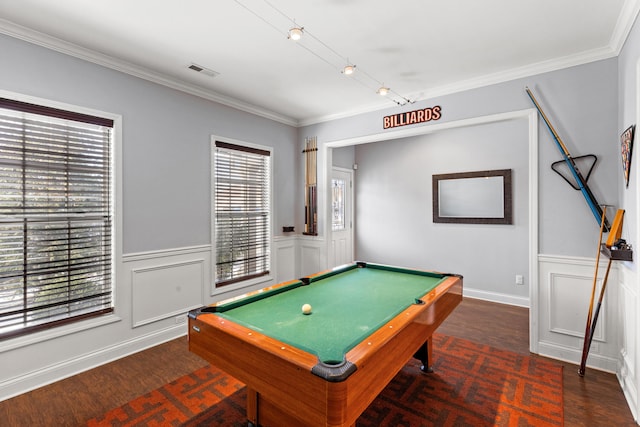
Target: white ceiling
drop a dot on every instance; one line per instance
(418, 48)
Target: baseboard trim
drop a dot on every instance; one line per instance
(630, 393)
(497, 297)
(570, 355)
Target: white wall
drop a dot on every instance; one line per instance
(628, 304)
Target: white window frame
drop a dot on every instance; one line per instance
(116, 165)
(253, 281)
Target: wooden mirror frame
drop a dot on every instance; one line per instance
(467, 216)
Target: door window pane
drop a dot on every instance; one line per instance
(338, 187)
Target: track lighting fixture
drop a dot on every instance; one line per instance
(325, 53)
(383, 91)
(295, 33)
(349, 69)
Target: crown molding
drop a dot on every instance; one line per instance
(58, 45)
(628, 14)
(523, 72)
(627, 17)
(486, 80)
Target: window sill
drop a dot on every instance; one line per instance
(38, 337)
(246, 285)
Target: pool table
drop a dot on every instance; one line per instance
(324, 368)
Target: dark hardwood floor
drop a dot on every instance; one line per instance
(593, 400)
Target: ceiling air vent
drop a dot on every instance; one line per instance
(203, 70)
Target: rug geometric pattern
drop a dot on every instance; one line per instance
(473, 385)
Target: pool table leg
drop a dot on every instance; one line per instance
(424, 354)
(252, 407)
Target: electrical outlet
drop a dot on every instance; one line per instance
(181, 319)
(519, 279)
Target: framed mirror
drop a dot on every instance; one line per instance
(482, 197)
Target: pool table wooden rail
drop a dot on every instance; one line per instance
(281, 388)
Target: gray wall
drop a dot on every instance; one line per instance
(581, 101)
(344, 157)
(165, 203)
(628, 75)
(394, 205)
(166, 137)
(628, 302)
(166, 199)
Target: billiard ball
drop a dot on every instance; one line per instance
(306, 309)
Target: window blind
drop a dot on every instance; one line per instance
(55, 217)
(242, 212)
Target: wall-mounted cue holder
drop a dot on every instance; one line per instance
(621, 252)
(616, 248)
(310, 153)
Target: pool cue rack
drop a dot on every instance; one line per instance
(557, 167)
(310, 153)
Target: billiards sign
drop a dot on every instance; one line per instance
(412, 117)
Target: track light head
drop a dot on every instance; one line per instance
(295, 33)
(383, 91)
(348, 70)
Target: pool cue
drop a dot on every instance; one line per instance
(315, 162)
(597, 312)
(580, 180)
(587, 332)
(616, 229)
(310, 183)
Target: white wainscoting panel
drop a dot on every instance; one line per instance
(167, 283)
(167, 290)
(627, 331)
(313, 257)
(565, 289)
(146, 293)
(285, 250)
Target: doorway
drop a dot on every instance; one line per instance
(341, 251)
(531, 115)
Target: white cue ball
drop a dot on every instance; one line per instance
(306, 309)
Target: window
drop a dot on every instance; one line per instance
(338, 221)
(242, 218)
(55, 217)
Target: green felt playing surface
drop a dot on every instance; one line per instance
(346, 308)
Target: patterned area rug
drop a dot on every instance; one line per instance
(472, 385)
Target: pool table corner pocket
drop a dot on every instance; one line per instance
(334, 372)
